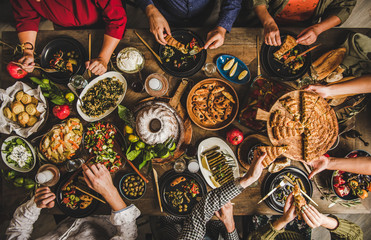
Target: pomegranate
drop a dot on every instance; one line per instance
(234, 136)
(15, 70)
(61, 111)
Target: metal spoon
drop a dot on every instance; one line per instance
(74, 91)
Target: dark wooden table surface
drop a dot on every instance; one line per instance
(241, 42)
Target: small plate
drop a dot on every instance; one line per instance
(122, 192)
(208, 144)
(12, 165)
(223, 59)
(111, 74)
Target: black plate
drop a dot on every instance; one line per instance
(183, 36)
(165, 181)
(273, 179)
(65, 44)
(350, 196)
(78, 213)
(275, 68)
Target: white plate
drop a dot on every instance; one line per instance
(111, 74)
(208, 144)
(12, 165)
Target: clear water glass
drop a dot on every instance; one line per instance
(180, 165)
(78, 81)
(209, 69)
(73, 165)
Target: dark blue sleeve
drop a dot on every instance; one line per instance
(144, 3)
(228, 13)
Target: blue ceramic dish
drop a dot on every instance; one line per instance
(223, 59)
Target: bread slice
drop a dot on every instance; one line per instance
(288, 44)
(299, 201)
(272, 153)
(174, 43)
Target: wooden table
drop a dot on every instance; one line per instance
(240, 43)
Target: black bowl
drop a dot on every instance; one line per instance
(276, 69)
(65, 44)
(122, 192)
(165, 182)
(273, 179)
(77, 213)
(183, 36)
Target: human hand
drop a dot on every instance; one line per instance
(289, 213)
(322, 90)
(314, 218)
(98, 178)
(215, 38)
(225, 214)
(308, 35)
(255, 170)
(318, 165)
(272, 33)
(44, 198)
(27, 62)
(97, 66)
(157, 24)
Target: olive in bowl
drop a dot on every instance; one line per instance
(132, 186)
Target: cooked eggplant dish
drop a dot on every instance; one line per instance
(183, 194)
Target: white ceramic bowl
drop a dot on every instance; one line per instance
(12, 165)
(111, 74)
(125, 50)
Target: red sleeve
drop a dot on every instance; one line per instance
(27, 19)
(115, 17)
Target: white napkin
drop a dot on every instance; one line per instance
(7, 96)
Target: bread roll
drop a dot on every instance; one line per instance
(17, 107)
(7, 113)
(31, 121)
(19, 95)
(23, 118)
(26, 99)
(14, 117)
(34, 101)
(31, 109)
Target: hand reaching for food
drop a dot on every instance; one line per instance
(97, 66)
(225, 215)
(318, 165)
(44, 198)
(27, 62)
(158, 25)
(309, 35)
(322, 90)
(316, 219)
(289, 214)
(272, 34)
(255, 170)
(215, 38)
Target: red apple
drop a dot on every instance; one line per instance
(235, 136)
(61, 111)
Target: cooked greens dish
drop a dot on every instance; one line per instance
(102, 96)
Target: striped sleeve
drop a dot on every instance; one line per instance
(346, 230)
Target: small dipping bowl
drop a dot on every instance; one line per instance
(120, 60)
(122, 182)
(156, 85)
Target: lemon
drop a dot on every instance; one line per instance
(70, 97)
(132, 138)
(242, 75)
(228, 65)
(172, 147)
(233, 70)
(167, 154)
(128, 129)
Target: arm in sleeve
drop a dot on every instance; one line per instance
(125, 222)
(195, 224)
(346, 230)
(232, 236)
(144, 3)
(228, 13)
(24, 217)
(266, 232)
(340, 8)
(114, 16)
(27, 19)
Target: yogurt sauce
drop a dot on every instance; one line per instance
(130, 60)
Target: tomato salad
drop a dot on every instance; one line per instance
(99, 141)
